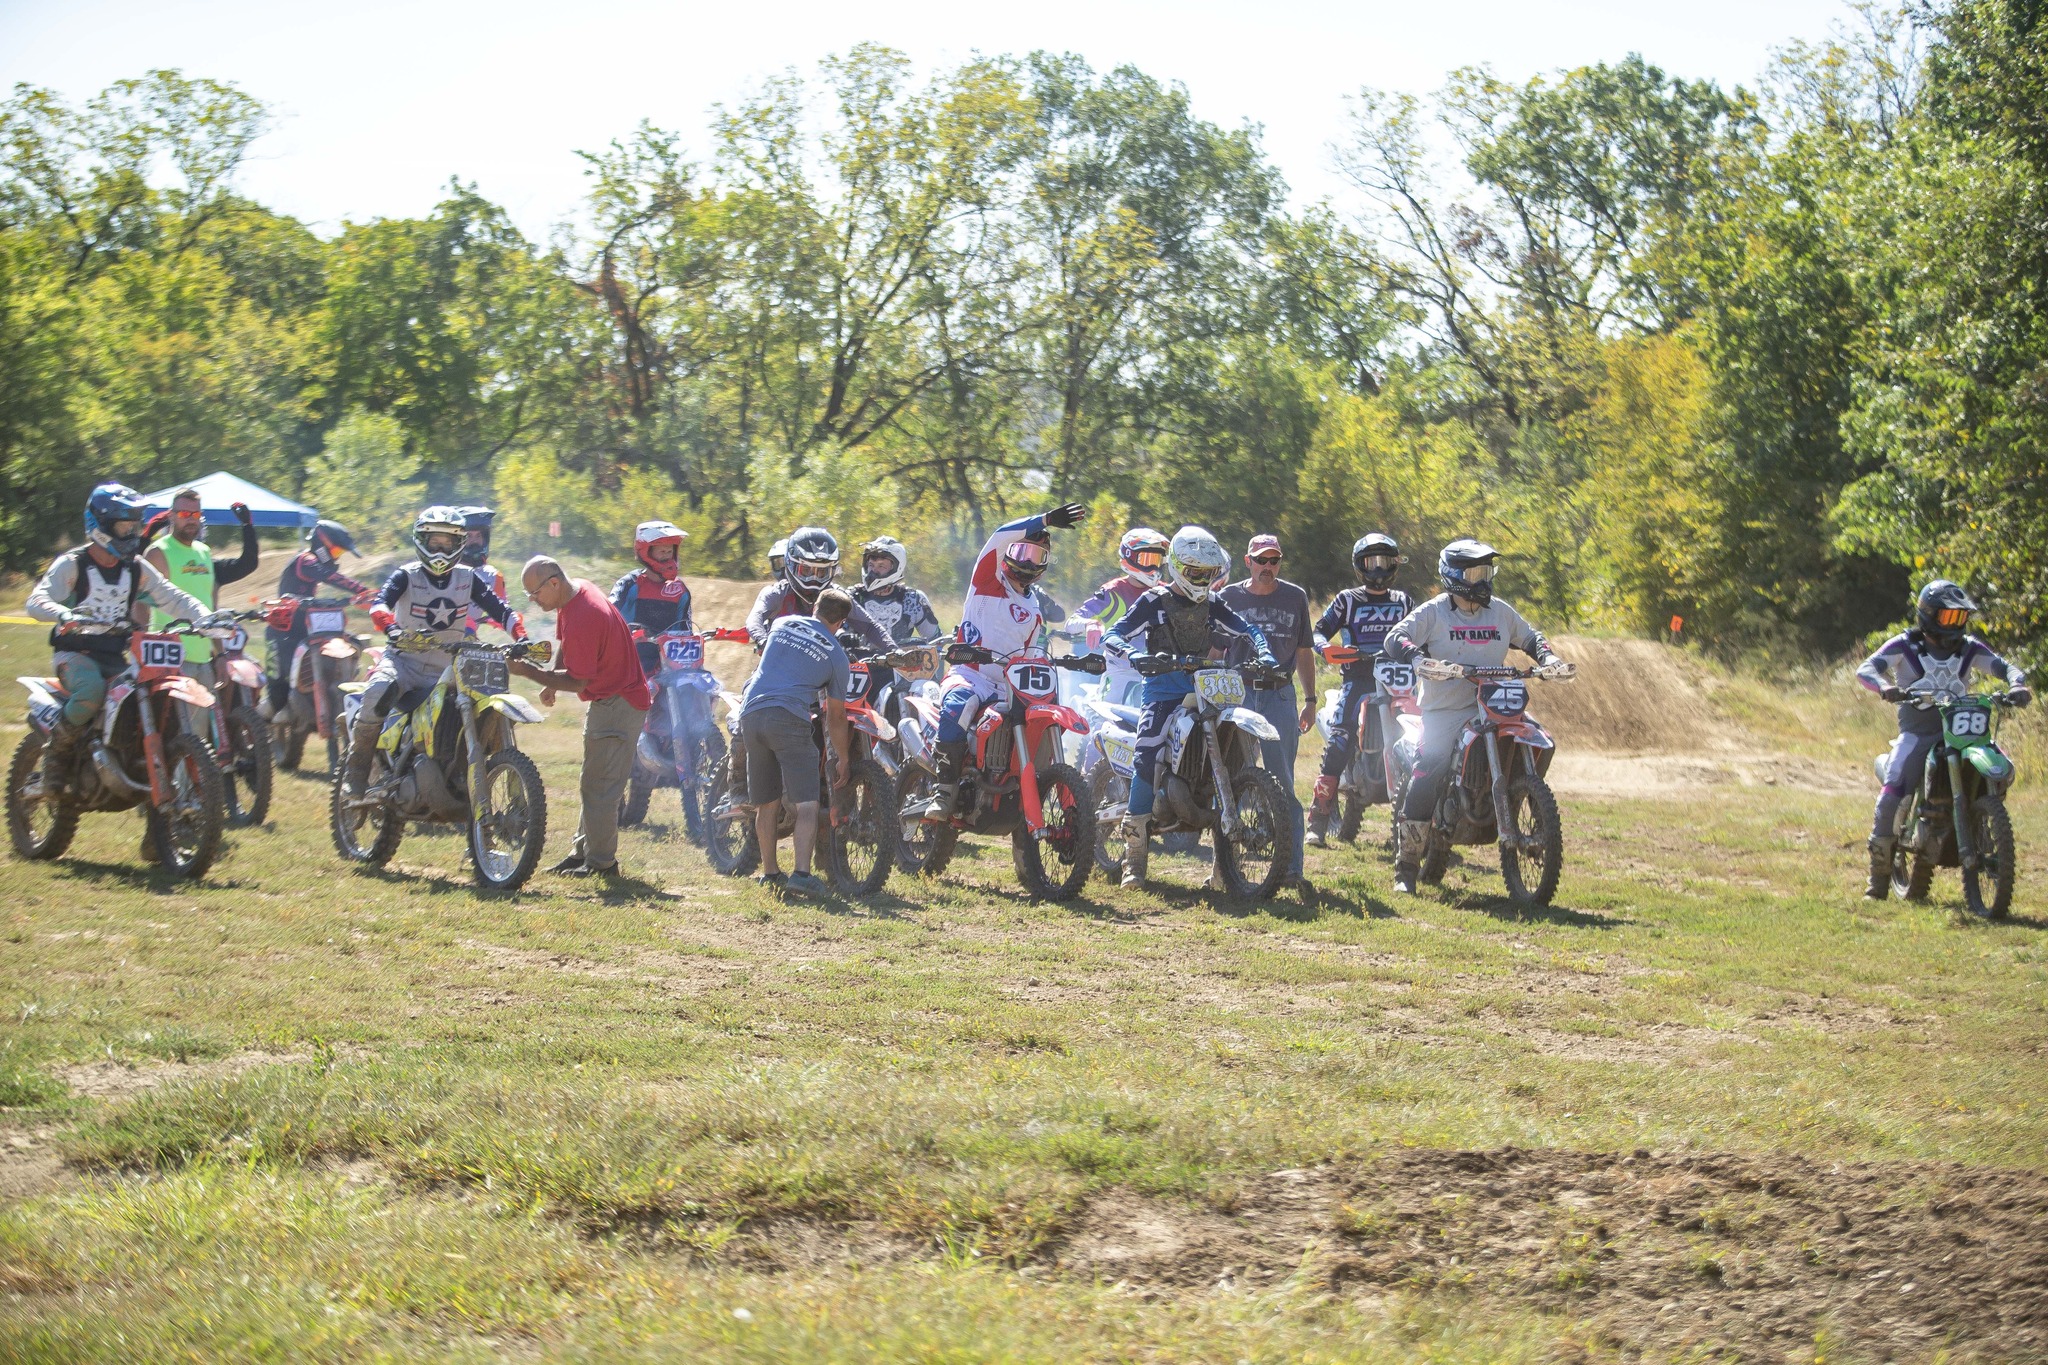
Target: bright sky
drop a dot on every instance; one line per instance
(377, 104)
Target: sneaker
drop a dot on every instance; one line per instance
(772, 880)
(1314, 838)
(806, 885)
(582, 869)
(569, 866)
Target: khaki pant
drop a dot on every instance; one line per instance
(610, 731)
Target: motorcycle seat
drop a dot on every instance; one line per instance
(407, 700)
(56, 687)
(1132, 716)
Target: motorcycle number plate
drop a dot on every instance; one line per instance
(160, 651)
(1219, 687)
(1394, 678)
(236, 642)
(45, 714)
(1504, 699)
(1033, 679)
(328, 622)
(1969, 721)
(683, 651)
(485, 673)
(1120, 751)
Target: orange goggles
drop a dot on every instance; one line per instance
(1950, 618)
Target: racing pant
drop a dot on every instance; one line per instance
(280, 647)
(963, 694)
(85, 682)
(1901, 778)
(1337, 755)
(1161, 699)
(1440, 731)
(405, 673)
(1280, 706)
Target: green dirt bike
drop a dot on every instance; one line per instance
(450, 753)
(1956, 817)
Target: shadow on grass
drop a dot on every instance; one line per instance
(1503, 908)
(147, 876)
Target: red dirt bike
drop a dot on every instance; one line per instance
(1388, 716)
(1015, 781)
(1495, 792)
(857, 834)
(328, 657)
(140, 729)
(240, 736)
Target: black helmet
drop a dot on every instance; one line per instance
(1945, 611)
(329, 539)
(1376, 556)
(1466, 570)
(476, 526)
(811, 562)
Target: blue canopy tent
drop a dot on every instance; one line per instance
(220, 490)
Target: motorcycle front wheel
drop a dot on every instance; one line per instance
(186, 830)
(1535, 844)
(246, 781)
(508, 821)
(1107, 786)
(729, 839)
(1263, 842)
(1912, 873)
(1991, 837)
(633, 805)
(40, 828)
(1068, 816)
(861, 845)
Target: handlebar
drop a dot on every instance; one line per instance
(960, 652)
(1443, 670)
(1157, 665)
(1927, 698)
(419, 642)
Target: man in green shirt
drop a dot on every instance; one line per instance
(186, 560)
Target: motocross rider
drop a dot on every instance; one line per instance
(1349, 634)
(1140, 553)
(476, 552)
(777, 553)
(1179, 617)
(430, 595)
(902, 611)
(1938, 649)
(1464, 624)
(1001, 615)
(303, 578)
(97, 583)
(654, 596)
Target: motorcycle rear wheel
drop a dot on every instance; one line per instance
(1533, 809)
(187, 838)
(1991, 835)
(633, 805)
(1265, 835)
(385, 825)
(915, 836)
(1107, 786)
(247, 780)
(860, 850)
(508, 823)
(1069, 816)
(729, 841)
(39, 828)
(1353, 816)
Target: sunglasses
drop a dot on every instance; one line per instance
(183, 515)
(1264, 559)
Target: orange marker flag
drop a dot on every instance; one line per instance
(1677, 624)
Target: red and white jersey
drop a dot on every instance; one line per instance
(995, 615)
(495, 581)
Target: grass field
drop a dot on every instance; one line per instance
(1708, 1106)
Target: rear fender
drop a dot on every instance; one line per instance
(1244, 718)
(245, 673)
(44, 705)
(869, 722)
(513, 705)
(338, 648)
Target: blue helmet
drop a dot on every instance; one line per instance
(476, 526)
(1466, 570)
(109, 505)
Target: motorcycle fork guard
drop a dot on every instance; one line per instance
(1959, 821)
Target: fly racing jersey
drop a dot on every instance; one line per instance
(1909, 657)
(904, 612)
(1169, 623)
(77, 582)
(777, 601)
(1361, 618)
(1480, 638)
(416, 600)
(655, 605)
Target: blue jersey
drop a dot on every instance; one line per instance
(1364, 617)
(1171, 624)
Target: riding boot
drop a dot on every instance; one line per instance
(362, 749)
(64, 737)
(1137, 848)
(1880, 870)
(951, 757)
(1407, 867)
(1320, 809)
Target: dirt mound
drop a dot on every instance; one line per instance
(1631, 696)
(1663, 1253)
(720, 602)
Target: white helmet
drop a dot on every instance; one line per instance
(776, 554)
(883, 545)
(438, 534)
(1195, 563)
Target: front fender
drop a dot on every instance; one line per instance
(513, 705)
(1244, 718)
(1993, 764)
(245, 673)
(1042, 713)
(872, 723)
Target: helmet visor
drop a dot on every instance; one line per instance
(1477, 573)
(1952, 618)
(440, 542)
(814, 573)
(1200, 575)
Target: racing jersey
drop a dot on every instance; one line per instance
(1480, 638)
(1364, 617)
(1909, 657)
(777, 601)
(305, 574)
(494, 579)
(654, 604)
(996, 616)
(413, 599)
(1170, 623)
(1106, 606)
(904, 612)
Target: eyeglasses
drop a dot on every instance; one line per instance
(1267, 560)
(188, 514)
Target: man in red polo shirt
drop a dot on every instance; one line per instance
(599, 662)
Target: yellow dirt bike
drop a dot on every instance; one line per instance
(450, 753)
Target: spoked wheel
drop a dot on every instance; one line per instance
(1532, 854)
(729, 839)
(246, 779)
(633, 805)
(365, 835)
(288, 742)
(1255, 861)
(1912, 873)
(508, 821)
(186, 829)
(1068, 835)
(699, 791)
(1108, 787)
(40, 827)
(915, 837)
(866, 815)
(1353, 816)
(1987, 887)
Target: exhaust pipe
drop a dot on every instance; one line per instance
(109, 769)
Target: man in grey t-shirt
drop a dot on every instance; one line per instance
(801, 661)
(1280, 610)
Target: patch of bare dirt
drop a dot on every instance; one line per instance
(1598, 774)
(1749, 1257)
(112, 1080)
(29, 1162)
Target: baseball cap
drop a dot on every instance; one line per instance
(1262, 545)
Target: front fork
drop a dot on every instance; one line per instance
(1966, 850)
(1226, 799)
(479, 799)
(1503, 819)
(153, 752)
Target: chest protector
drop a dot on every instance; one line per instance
(1185, 630)
(658, 603)
(437, 609)
(103, 595)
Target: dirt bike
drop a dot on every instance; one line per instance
(1213, 732)
(326, 659)
(1956, 817)
(450, 753)
(140, 728)
(857, 835)
(1388, 716)
(1495, 792)
(1014, 781)
(240, 738)
(687, 756)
